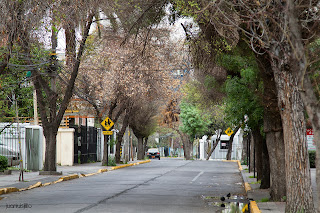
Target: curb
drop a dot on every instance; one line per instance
(8, 190)
(130, 164)
(254, 207)
(253, 204)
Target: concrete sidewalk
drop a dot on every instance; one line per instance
(262, 195)
(31, 178)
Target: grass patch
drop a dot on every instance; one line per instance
(263, 200)
(251, 176)
(246, 169)
(257, 182)
(17, 169)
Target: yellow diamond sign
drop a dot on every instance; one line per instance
(107, 123)
(229, 131)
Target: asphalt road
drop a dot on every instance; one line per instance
(168, 185)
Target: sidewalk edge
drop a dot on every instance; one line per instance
(8, 190)
(253, 204)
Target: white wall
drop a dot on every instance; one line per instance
(222, 153)
(64, 146)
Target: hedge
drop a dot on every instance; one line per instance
(312, 159)
(3, 163)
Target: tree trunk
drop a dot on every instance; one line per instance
(214, 146)
(252, 166)
(258, 142)
(140, 154)
(187, 149)
(262, 159)
(299, 191)
(186, 145)
(273, 130)
(265, 176)
(313, 110)
(105, 151)
(288, 66)
(50, 154)
(145, 145)
(120, 136)
(231, 142)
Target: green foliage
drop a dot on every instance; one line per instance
(3, 163)
(244, 89)
(15, 82)
(210, 110)
(266, 199)
(193, 122)
(312, 158)
(111, 161)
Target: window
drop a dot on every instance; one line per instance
(224, 144)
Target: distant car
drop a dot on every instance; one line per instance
(10, 154)
(153, 153)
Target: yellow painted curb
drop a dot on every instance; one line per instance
(47, 184)
(35, 185)
(69, 177)
(102, 170)
(88, 175)
(8, 190)
(130, 164)
(254, 207)
(57, 181)
(247, 186)
(122, 166)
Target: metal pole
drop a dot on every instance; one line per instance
(249, 152)
(108, 142)
(132, 148)
(35, 107)
(19, 139)
(254, 161)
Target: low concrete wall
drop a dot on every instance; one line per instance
(65, 146)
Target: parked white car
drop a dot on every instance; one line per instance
(10, 154)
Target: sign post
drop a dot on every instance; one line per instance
(107, 124)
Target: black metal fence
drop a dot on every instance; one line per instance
(85, 144)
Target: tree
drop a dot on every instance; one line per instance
(193, 123)
(143, 123)
(274, 29)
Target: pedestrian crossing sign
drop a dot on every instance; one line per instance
(107, 123)
(229, 131)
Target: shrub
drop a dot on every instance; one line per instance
(111, 161)
(3, 163)
(312, 159)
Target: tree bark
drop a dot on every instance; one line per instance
(258, 140)
(120, 136)
(186, 145)
(214, 146)
(273, 131)
(231, 142)
(262, 159)
(288, 65)
(265, 176)
(140, 154)
(299, 191)
(313, 110)
(145, 145)
(50, 157)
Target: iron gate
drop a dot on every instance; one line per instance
(85, 144)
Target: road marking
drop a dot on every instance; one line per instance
(196, 177)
